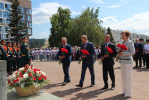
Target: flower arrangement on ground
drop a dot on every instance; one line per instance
(25, 77)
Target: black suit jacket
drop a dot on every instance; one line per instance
(140, 47)
(90, 48)
(110, 59)
(68, 55)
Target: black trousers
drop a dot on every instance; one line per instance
(90, 66)
(137, 59)
(147, 60)
(141, 57)
(14, 64)
(108, 68)
(18, 63)
(66, 71)
(9, 66)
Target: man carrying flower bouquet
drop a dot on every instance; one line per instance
(87, 58)
(65, 52)
(108, 62)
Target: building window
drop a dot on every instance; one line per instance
(7, 21)
(30, 24)
(28, 17)
(5, 14)
(29, 31)
(22, 9)
(22, 16)
(26, 24)
(2, 21)
(1, 6)
(0, 13)
(30, 11)
(26, 10)
(4, 29)
(7, 7)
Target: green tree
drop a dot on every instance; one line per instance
(60, 26)
(18, 28)
(86, 24)
(110, 33)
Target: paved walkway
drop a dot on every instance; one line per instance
(70, 92)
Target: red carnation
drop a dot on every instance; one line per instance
(124, 47)
(45, 77)
(16, 73)
(36, 69)
(39, 78)
(14, 81)
(17, 80)
(11, 83)
(24, 70)
(30, 74)
(64, 50)
(34, 78)
(8, 81)
(31, 67)
(21, 76)
(119, 45)
(85, 52)
(109, 50)
(42, 76)
(20, 73)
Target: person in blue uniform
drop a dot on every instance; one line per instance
(10, 58)
(66, 60)
(87, 61)
(19, 55)
(15, 56)
(141, 57)
(25, 57)
(3, 50)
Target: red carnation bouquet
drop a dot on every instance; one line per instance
(122, 48)
(84, 53)
(27, 76)
(107, 52)
(64, 51)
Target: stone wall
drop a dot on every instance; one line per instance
(3, 80)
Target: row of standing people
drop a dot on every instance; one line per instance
(51, 53)
(16, 55)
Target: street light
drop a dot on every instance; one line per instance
(9, 36)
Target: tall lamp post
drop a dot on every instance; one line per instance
(9, 36)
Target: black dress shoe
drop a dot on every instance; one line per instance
(68, 81)
(92, 85)
(64, 83)
(79, 85)
(104, 88)
(112, 88)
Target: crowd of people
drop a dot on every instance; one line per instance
(51, 53)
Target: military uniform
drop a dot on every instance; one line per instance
(3, 50)
(10, 60)
(15, 58)
(18, 58)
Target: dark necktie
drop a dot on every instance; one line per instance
(84, 46)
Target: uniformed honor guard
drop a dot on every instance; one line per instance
(15, 56)
(19, 55)
(25, 57)
(146, 51)
(10, 58)
(141, 57)
(3, 50)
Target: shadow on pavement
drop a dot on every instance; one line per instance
(89, 95)
(51, 86)
(67, 92)
(117, 97)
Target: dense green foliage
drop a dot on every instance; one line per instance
(18, 28)
(73, 28)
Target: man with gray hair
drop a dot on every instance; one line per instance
(65, 59)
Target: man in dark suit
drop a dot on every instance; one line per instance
(141, 57)
(87, 61)
(108, 62)
(137, 54)
(66, 60)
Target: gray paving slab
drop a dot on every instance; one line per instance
(40, 96)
